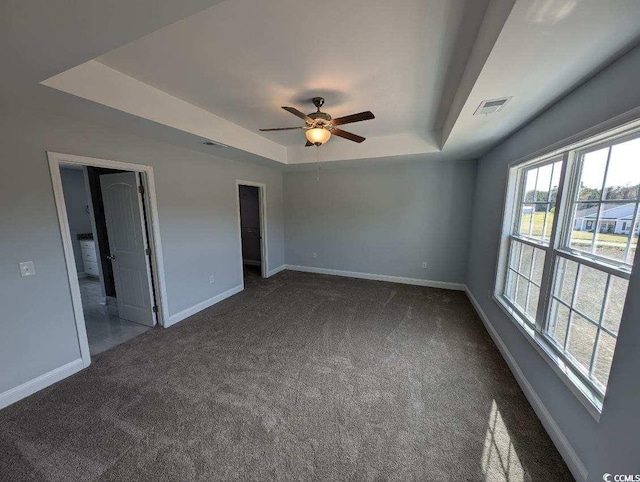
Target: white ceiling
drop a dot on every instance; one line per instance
(243, 59)
(544, 50)
(205, 69)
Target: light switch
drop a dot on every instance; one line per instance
(27, 269)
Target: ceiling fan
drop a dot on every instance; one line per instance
(319, 126)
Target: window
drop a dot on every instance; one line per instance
(531, 235)
(568, 250)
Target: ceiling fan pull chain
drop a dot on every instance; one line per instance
(318, 161)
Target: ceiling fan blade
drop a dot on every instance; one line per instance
(308, 144)
(348, 119)
(282, 129)
(302, 115)
(348, 135)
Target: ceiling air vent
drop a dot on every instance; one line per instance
(491, 106)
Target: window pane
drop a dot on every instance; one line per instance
(565, 279)
(537, 223)
(615, 303)
(532, 302)
(514, 255)
(592, 175)
(623, 175)
(521, 293)
(544, 182)
(538, 265)
(530, 179)
(584, 223)
(612, 235)
(582, 338)
(510, 288)
(590, 294)
(604, 355)
(537, 203)
(558, 321)
(526, 219)
(525, 260)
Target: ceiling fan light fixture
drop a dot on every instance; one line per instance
(317, 135)
(320, 126)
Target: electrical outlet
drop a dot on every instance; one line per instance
(27, 269)
(424, 265)
(212, 279)
(315, 255)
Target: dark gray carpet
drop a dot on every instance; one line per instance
(301, 376)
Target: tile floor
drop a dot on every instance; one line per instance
(104, 328)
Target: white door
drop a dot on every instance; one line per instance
(127, 245)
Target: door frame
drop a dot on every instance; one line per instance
(262, 198)
(159, 288)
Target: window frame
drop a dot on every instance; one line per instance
(565, 245)
(517, 176)
(571, 155)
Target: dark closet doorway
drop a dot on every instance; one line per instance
(251, 227)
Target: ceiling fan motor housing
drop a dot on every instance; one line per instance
(319, 116)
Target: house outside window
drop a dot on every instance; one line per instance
(567, 253)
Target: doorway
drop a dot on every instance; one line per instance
(252, 213)
(110, 238)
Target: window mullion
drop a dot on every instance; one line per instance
(603, 308)
(535, 196)
(573, 190)
(529, 278)
(634, 220)
(546, 209)
(591, 263)
(549, 260)
(519, 196)
(576, 287)
(604, 183)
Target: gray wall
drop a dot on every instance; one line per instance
(76, 201)
(612, 445)
(197, 203)
(382, 219)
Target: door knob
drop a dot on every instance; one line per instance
(111, 257)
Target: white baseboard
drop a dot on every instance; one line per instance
(251, 262)
(569, 455)
(276, 270)
(181, 315)
(380, 277)
(38, 383)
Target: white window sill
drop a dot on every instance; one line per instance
(580, 390)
